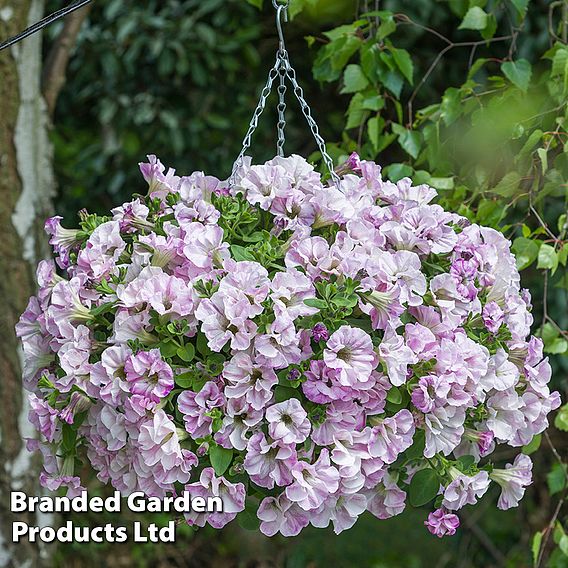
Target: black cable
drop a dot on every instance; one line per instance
(43, 23)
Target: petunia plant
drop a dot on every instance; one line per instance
(306, 350)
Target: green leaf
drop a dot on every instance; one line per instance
(467, 461)
(536, 543)
(248, 518)
(256, 3)
(561, 420)
(394, 395)
(557, 346)
(364, 324)
(416, 451)
(489, 31)
(332, 58)
(560, 66)
(355, 112)
(410, 140)
(548, 333)
(528, 146)
(477, 65)
(185, 380)
(558, 532)
(255, 237)
(386, 27)
(563, 255)
(388, 74)
(345, 301)
(220, 459)
(102, 309)
(282, 393)
(374, 103)
(369, 58)
(424, 487)
(459, 7)
(451, 107)
(556, 478)
(521, 6)
(374, 131)
(68, 439)
(168, 348)
(442, 182)
(354, 79)
(563, 544)
(533, 445)
(559, 62)
(547, 258)
(396, 172)
(316, 303)
(297, 7)
(525, 251)
(393, 82)
(518, 72)
(202, 345)
(543, 155)
(475, 19)
(241, 253)
(186, 352)
(508, 185)
(404, 63)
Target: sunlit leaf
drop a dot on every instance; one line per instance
(533, 445)
(525, 251)
(561, 419)
(547, 258)
(354, 79)
(475, 19)
(220, 459)
(404, 63)
(518, 72)
(536, 543)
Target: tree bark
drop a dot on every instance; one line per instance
(55, 66)
(26, 186)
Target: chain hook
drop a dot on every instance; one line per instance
(283, 70)
(281, 16)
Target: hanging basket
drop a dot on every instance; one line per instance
(307, 350)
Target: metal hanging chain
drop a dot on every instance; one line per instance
(283, 69)
(281, 112)
(281, 127)
(44, 23)
(307, 112)
(254, 121)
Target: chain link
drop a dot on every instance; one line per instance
(273, 73)
(307, 112)
(283, 70)
(281, 111)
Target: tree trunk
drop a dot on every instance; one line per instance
(26, 186)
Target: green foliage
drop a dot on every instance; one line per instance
(493, 141)
(220, 459)
(518, 72)
(147, 79)
(533, 445)
(424, 487)
(561, 420)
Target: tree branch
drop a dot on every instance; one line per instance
(53, 77)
